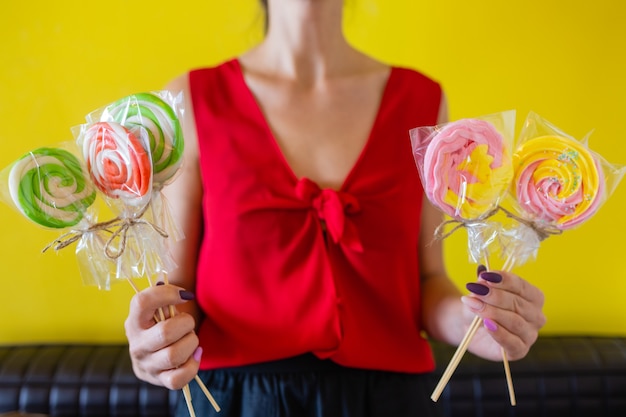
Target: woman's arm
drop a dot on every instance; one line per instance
(185, 197)
(167, 353)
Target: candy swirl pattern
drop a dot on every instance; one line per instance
(49, 186)
(467, 169)
(557, 181)
(153, 121)
(118, 164)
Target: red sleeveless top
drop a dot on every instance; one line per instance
(271, 283)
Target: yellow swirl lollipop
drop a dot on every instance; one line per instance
(557, 180)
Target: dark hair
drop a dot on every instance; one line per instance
(267, 17)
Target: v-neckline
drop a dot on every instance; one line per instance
(270, 133)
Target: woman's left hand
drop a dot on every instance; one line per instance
(511, 313)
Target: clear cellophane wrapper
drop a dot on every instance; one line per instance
(465, 168)
(124, 156)
(558, 184)
(51, 188)
(156, 119)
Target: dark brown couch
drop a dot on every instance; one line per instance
(562, 376)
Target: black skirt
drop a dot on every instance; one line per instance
(306, 386)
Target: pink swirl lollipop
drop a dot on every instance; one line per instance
(117, 162)
(557, 181)
(466, 168)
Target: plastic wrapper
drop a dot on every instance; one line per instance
(558, 184)
(131, 149)
(51, 188)
(155, 119)
(466, 170)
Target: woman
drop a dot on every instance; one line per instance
(308, 237)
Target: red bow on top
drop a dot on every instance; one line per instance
(332, 207)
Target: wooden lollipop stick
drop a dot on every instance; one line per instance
(509, 380)
(508, 265)
(458, 354)
(207, 393)
(186, 390)
(454, 362)
(460, 351)
(187, 395)
(203, 387)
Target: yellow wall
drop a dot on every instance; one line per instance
(561, 59)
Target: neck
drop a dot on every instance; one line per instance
(305, 39)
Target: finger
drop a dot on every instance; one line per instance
(512, 283)
(167, 345)
(495, 299)
(511, 330)
(512, 333)
(167, 332)
(509, 292)
(177, 378)
(490, 301)
(172, 378)
(173, 355)
(145, 304)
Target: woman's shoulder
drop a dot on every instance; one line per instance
(229, 64)
(181, 81)
(415, 77)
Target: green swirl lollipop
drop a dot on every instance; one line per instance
(49, 186)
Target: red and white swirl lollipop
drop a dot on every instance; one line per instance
(155, 122)
(118, 164)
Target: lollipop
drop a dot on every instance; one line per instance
(557, 181)
(49, 187)
(117, 162)
(466, 168)
(155, 122)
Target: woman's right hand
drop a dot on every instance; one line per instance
(163, 352)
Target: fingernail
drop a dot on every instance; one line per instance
(491, 277)
(490, 325)
(187, 295)
(197, 354)
(478, 289)
(160, 283)
(481, 269)
(473, 303)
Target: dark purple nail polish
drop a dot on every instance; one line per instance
(478, 289)
(481, 269)
(491, 277)
(160, 283)
(187, 295)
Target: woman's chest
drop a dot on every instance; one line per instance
(321, 132)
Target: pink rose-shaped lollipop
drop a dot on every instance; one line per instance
(466, 168)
